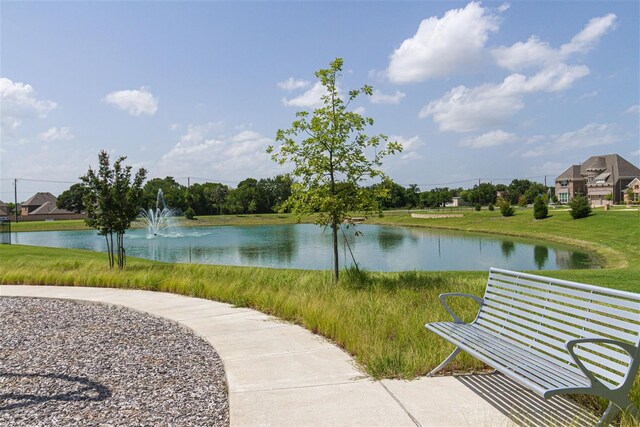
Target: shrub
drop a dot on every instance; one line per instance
(522, 201)
(579, 207)
(491, 207)
(505, 207)
(478, 206)
(189, 213)
(540, 209)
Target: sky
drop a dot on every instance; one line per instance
(475, 91)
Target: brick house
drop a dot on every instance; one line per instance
(635, 188)
(42, 207)
(596, 178)
(4, 209)
(35, 201)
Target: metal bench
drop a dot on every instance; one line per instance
(553, 336)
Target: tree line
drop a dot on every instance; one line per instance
(267, 195)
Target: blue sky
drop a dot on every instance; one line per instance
(490, 90)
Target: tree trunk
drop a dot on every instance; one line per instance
(120, 237)
(109, 238)
(334, 232)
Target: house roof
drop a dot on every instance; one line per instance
(40, 199)
(4, 209)
(632, 183)
(617, 166)
(613, 163)
(49, 208)
(573, 172)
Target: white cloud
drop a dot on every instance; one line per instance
(410, 146)
(591, 135)
(536, 53)
(549, 168)
(18, 102)
(292, 84)
(135, 102)
(205, 150)
(360, 110)
(634, 109)
(503, 7)
(443, 46)
(465, 109)
(312, 98)
(381, 98)
(586, 39)
(489, 139)
(534, 152)
(56, 134)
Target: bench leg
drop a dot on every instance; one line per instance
(614, 409)
(445, 363)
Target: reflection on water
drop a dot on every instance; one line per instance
(540, 255)
(309, 247)
(507, 247)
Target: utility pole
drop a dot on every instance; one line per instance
(15, 197)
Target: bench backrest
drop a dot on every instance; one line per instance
(542, 313)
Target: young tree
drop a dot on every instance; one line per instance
(579, 207)
(540, 209)
(112, 201)
(505, 207)
(330, 152)
(629, 195)
(522, 201)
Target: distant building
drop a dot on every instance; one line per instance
(455, 202)
(596, 178)
(42, 207)
(4, 209)
(35, 201)
(635, 191)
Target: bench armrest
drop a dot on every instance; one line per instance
(631, 350)
(443, 301)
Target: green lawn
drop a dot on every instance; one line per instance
(377, 318)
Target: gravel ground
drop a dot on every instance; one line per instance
(70, 363)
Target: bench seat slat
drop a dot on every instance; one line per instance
(498, 353)
(613, 377)
(552, 353)
(565, 284)
(562, 330)
(596, 305)
(557, 339)
(506, 298)
(507, 357)
(615, 373)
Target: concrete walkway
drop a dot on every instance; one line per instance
(280, 374)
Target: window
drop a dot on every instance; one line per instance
(563, 197)
(564, 183)
(636, 187)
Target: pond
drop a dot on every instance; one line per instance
(307, 246)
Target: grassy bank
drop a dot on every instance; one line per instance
(201, 221)
(379, 318)
(614, 236)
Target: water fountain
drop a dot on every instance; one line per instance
(158, 219)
